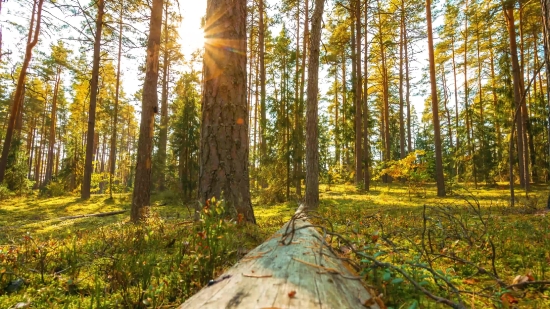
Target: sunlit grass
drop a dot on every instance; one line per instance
(521, 235)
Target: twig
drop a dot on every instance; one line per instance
(257, 276)
(520, 285)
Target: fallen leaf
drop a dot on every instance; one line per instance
(369, 302)
(469, 281)
(508, 299)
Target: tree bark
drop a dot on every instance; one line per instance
(358, 98)
(163, 130)
(435, 107)
(17, 105)
(402, 153)
(263, 107)
(522, 145)
(149, 106)
(312, 116)
(112, 155)
(366, 146)
(224, 129)
(546, 33)
(87, 181)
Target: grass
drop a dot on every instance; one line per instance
(106, 262)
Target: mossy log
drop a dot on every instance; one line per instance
(292, 269)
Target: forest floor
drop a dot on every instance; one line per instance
(467, 247)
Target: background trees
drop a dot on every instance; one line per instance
(372, 96)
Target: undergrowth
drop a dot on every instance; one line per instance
(157, 264)
(467, 248)
(462, 251)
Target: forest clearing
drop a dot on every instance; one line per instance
(108, 262)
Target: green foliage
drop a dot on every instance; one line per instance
(54, 188)
(5, 193)
(467, 243)
(411, 169)
(16, 174)
(120, 264)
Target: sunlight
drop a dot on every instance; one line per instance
(191, 33)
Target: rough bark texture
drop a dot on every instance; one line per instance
(142, 185)
(86, 182)
(32, 39)
(312, 117)
(224, 131)
(435, 108)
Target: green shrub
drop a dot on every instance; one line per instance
(5, 193)
(54, 189)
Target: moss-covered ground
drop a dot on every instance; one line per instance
(467, 247)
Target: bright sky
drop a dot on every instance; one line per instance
(191, 34)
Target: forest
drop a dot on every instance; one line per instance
(147, 146)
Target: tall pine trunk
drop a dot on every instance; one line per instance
(312, 116)
(87, 181)
(149, 105)
(112, 155)
(366, 146)
(263, 107)
(358, 96)
(163, 130)
(435, 107)
(224, 129)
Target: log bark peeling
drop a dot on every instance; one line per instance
(289, 270)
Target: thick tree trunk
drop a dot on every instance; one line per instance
(435, 107)
(149, 106)
(312, 116)
(17, 105)
(224, 129)
(87, 181)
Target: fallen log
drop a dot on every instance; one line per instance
(100, 214)
(291, 269)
